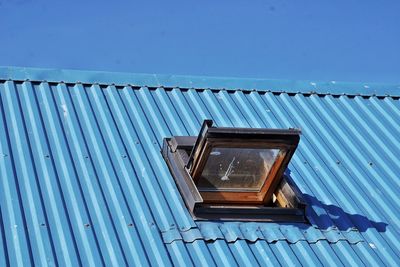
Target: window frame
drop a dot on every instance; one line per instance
(288, 206)
(286, 140)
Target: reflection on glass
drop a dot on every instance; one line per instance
(236, 169)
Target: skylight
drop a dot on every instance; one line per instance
(236, 169)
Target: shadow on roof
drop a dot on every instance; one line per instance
(330, 216)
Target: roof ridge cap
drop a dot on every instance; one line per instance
(199, 82)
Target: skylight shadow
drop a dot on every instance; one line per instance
(330, 216)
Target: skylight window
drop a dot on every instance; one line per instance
(236, 169)
(239, 170)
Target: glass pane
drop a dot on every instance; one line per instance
(237, 169)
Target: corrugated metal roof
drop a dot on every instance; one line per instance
(83, 181)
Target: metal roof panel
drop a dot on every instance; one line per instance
(83, 181)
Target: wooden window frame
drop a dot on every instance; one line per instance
(288, 204)
(284, 140)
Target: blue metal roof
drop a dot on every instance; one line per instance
(83, 181)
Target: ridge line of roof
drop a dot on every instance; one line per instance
(198, 82)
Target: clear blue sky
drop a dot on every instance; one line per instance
(306, 40)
